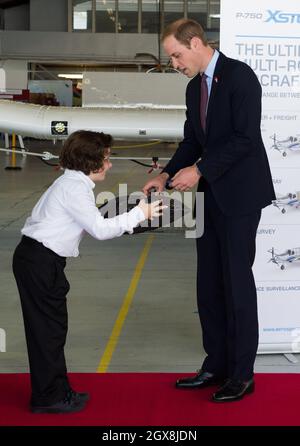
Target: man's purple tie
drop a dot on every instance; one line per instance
(203, 101)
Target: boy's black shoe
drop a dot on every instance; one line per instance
(81, 396)
(71, 403)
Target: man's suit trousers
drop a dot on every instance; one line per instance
(226, 291)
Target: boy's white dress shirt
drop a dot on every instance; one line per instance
(67, 210)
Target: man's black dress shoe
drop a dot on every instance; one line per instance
(199, 381)
(233, 390)
(71, 403)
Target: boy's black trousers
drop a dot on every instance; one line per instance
(42, 284)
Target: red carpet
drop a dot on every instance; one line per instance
(150, 399)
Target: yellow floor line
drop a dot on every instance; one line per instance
(112, 343)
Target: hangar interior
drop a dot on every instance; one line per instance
(132, 304)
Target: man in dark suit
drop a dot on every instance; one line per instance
(223, 151)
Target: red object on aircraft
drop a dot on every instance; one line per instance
(15, 95)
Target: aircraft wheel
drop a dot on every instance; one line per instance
(284, 154)
(283, 211)
(282, 267)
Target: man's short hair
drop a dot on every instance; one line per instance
(85, 150)
(184, 30)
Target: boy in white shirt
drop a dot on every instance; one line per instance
(52, 233)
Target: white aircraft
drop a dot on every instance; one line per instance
(291, 143)
(288, 256)
(291, 199)
(134, 122)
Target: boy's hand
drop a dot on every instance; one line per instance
(152, 210)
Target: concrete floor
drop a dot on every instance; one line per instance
(161, 332)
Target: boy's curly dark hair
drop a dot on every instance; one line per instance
(85, 150)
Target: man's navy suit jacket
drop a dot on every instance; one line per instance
(230, 155)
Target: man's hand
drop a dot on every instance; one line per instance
(158, 183)
(186, 178)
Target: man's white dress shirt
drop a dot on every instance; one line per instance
(67, 210)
